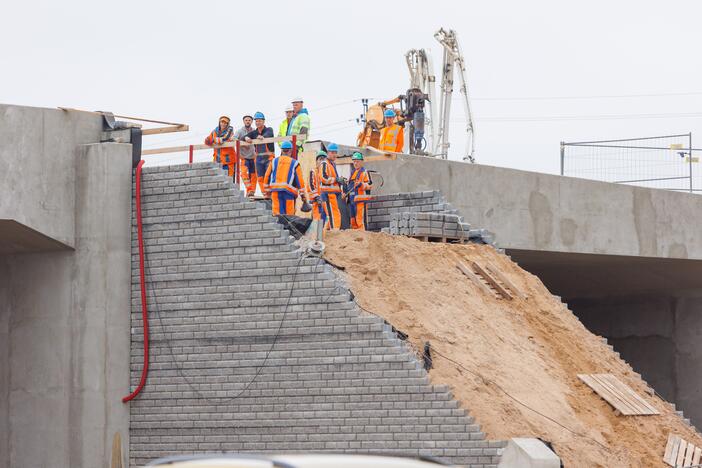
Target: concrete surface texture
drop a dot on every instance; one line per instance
(522, 452)
(64, 321)
(255, 348)
(534, 211)
(38, 151)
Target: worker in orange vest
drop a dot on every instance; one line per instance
(284, 181)
(359, 192)
(224, 133)
(330, 185)
(314, 185)
(392, 136)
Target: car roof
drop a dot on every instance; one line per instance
(236, 460)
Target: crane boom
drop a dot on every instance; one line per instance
(453, 58)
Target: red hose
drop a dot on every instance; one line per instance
(144, 315)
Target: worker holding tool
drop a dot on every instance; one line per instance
(284, 181)
(315, 197)
(358, 193)
(283, 127)
(299, 124)
(265, 152)
(247, 157)
(223, 133)
(392, 136)
(330, 184)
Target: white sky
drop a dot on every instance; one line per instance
(193, 61)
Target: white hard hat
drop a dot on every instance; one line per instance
(289, 109)
(297, 99)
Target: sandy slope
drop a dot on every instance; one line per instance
(531, 348)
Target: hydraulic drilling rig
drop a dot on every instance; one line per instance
(417, 111)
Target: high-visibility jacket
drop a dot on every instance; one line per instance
(328, 183)
(282, 129)
(224, 156)
(360, 183)
(284, 174)
(392, 138)
(302, 119)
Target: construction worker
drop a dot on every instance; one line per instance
(247, 157)
(330, 184)
(283, 127)
(223, 133)
(284, 181)
(265, 152)
(392, 136)
(300, 123)
(359, 192)
(314, 189)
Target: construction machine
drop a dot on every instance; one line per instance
(425, 134)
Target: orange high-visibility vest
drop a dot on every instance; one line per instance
(392, 138)
(360, 185)
(328, 178)
(284, 174)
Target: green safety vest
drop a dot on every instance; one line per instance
(299, 121)
(282, 130)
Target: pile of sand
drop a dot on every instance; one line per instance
(532, 348)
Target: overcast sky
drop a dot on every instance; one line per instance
(538, 71)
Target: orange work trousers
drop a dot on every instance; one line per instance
(248, 175)
(359, 220)
(283, 203)
(332, 211)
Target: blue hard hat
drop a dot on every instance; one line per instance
(286, 145)
(389, 113)
(332, 147)
(259, 115)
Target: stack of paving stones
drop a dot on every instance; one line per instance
(428, 224)
(382, 207)
(256, 348)
(422, 214)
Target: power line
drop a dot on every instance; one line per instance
(553, 118)
(601, 96)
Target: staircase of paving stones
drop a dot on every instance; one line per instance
(256, 347)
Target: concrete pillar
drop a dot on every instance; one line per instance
(64, 327)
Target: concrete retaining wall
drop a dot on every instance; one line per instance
(257, 349)
(533, 211)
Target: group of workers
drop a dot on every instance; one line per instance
(280, 179)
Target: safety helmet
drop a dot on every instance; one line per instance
(296, 99)
(224, 117)
(289, 109)
(357, 156)
(259, 115)
(333, 147)
(389, 113)
(321, 154)
(286, 145)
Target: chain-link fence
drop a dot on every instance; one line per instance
(666, 162)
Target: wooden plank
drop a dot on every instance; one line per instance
(502, 277)
(160, 130)
(232, 144)
(681, 453)
(688, 454)
(347, 160)
(604, 392)
(117, 451)
(612, 387)
(469, 273)
(668, 454)
(642, 405)
(674, 451)
(140, 119)
(696, 456)
(481, 271)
